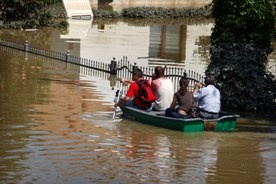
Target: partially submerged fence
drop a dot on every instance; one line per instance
(123, 69)
(117, 69)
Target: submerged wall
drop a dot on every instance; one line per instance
(170, 3)
(157, 3)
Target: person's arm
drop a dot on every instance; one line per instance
(122, 101)
(129, 94)
(173, 104)
(196, 88)
(154, 85)
(123, 80)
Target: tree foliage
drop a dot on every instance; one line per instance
(29, 14)
(247, 21)
(240, 45)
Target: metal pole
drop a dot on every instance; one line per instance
(26, 46)
(68, 58)
(113, 66)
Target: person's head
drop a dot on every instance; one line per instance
(184, 82)
(159, 71)
(137, 74)
(210, 80)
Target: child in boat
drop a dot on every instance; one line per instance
(183, 99)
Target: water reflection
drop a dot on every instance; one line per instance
(56, 127)
(268, 151)
(175, 44)
(183, 44)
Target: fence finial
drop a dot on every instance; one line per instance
(26, 46)
(68, 58)
(113, 66)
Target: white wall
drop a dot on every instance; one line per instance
(190, 3)
(78, 8)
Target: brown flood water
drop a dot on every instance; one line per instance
(56, 127)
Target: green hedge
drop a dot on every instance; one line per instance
(240, 45)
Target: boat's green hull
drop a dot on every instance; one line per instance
(227, 122)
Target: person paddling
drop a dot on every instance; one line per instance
(133, 97)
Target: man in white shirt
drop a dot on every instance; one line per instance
(162, 88)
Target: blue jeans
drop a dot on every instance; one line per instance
(207, 115)
(173, 113)
(130, 103)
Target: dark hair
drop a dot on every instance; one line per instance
(138, 72)
(184, 82)
(210, 79)
(159, 71)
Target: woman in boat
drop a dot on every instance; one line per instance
(208, 98)
(183, 99)
(162, 88)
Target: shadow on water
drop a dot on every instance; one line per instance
(256, 122)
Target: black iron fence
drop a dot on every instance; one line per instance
(116, 68)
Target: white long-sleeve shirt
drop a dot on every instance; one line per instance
(208, 99)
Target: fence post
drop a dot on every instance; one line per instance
(68, 58)
(26, 50)
(113, 66)
(134, 67)
(26, 46)
(185, 74)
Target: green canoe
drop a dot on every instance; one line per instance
(226, 122)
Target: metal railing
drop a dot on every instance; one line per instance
(118, 69)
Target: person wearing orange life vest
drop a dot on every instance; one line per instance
(132, 97)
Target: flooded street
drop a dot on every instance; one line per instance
(56, 121)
